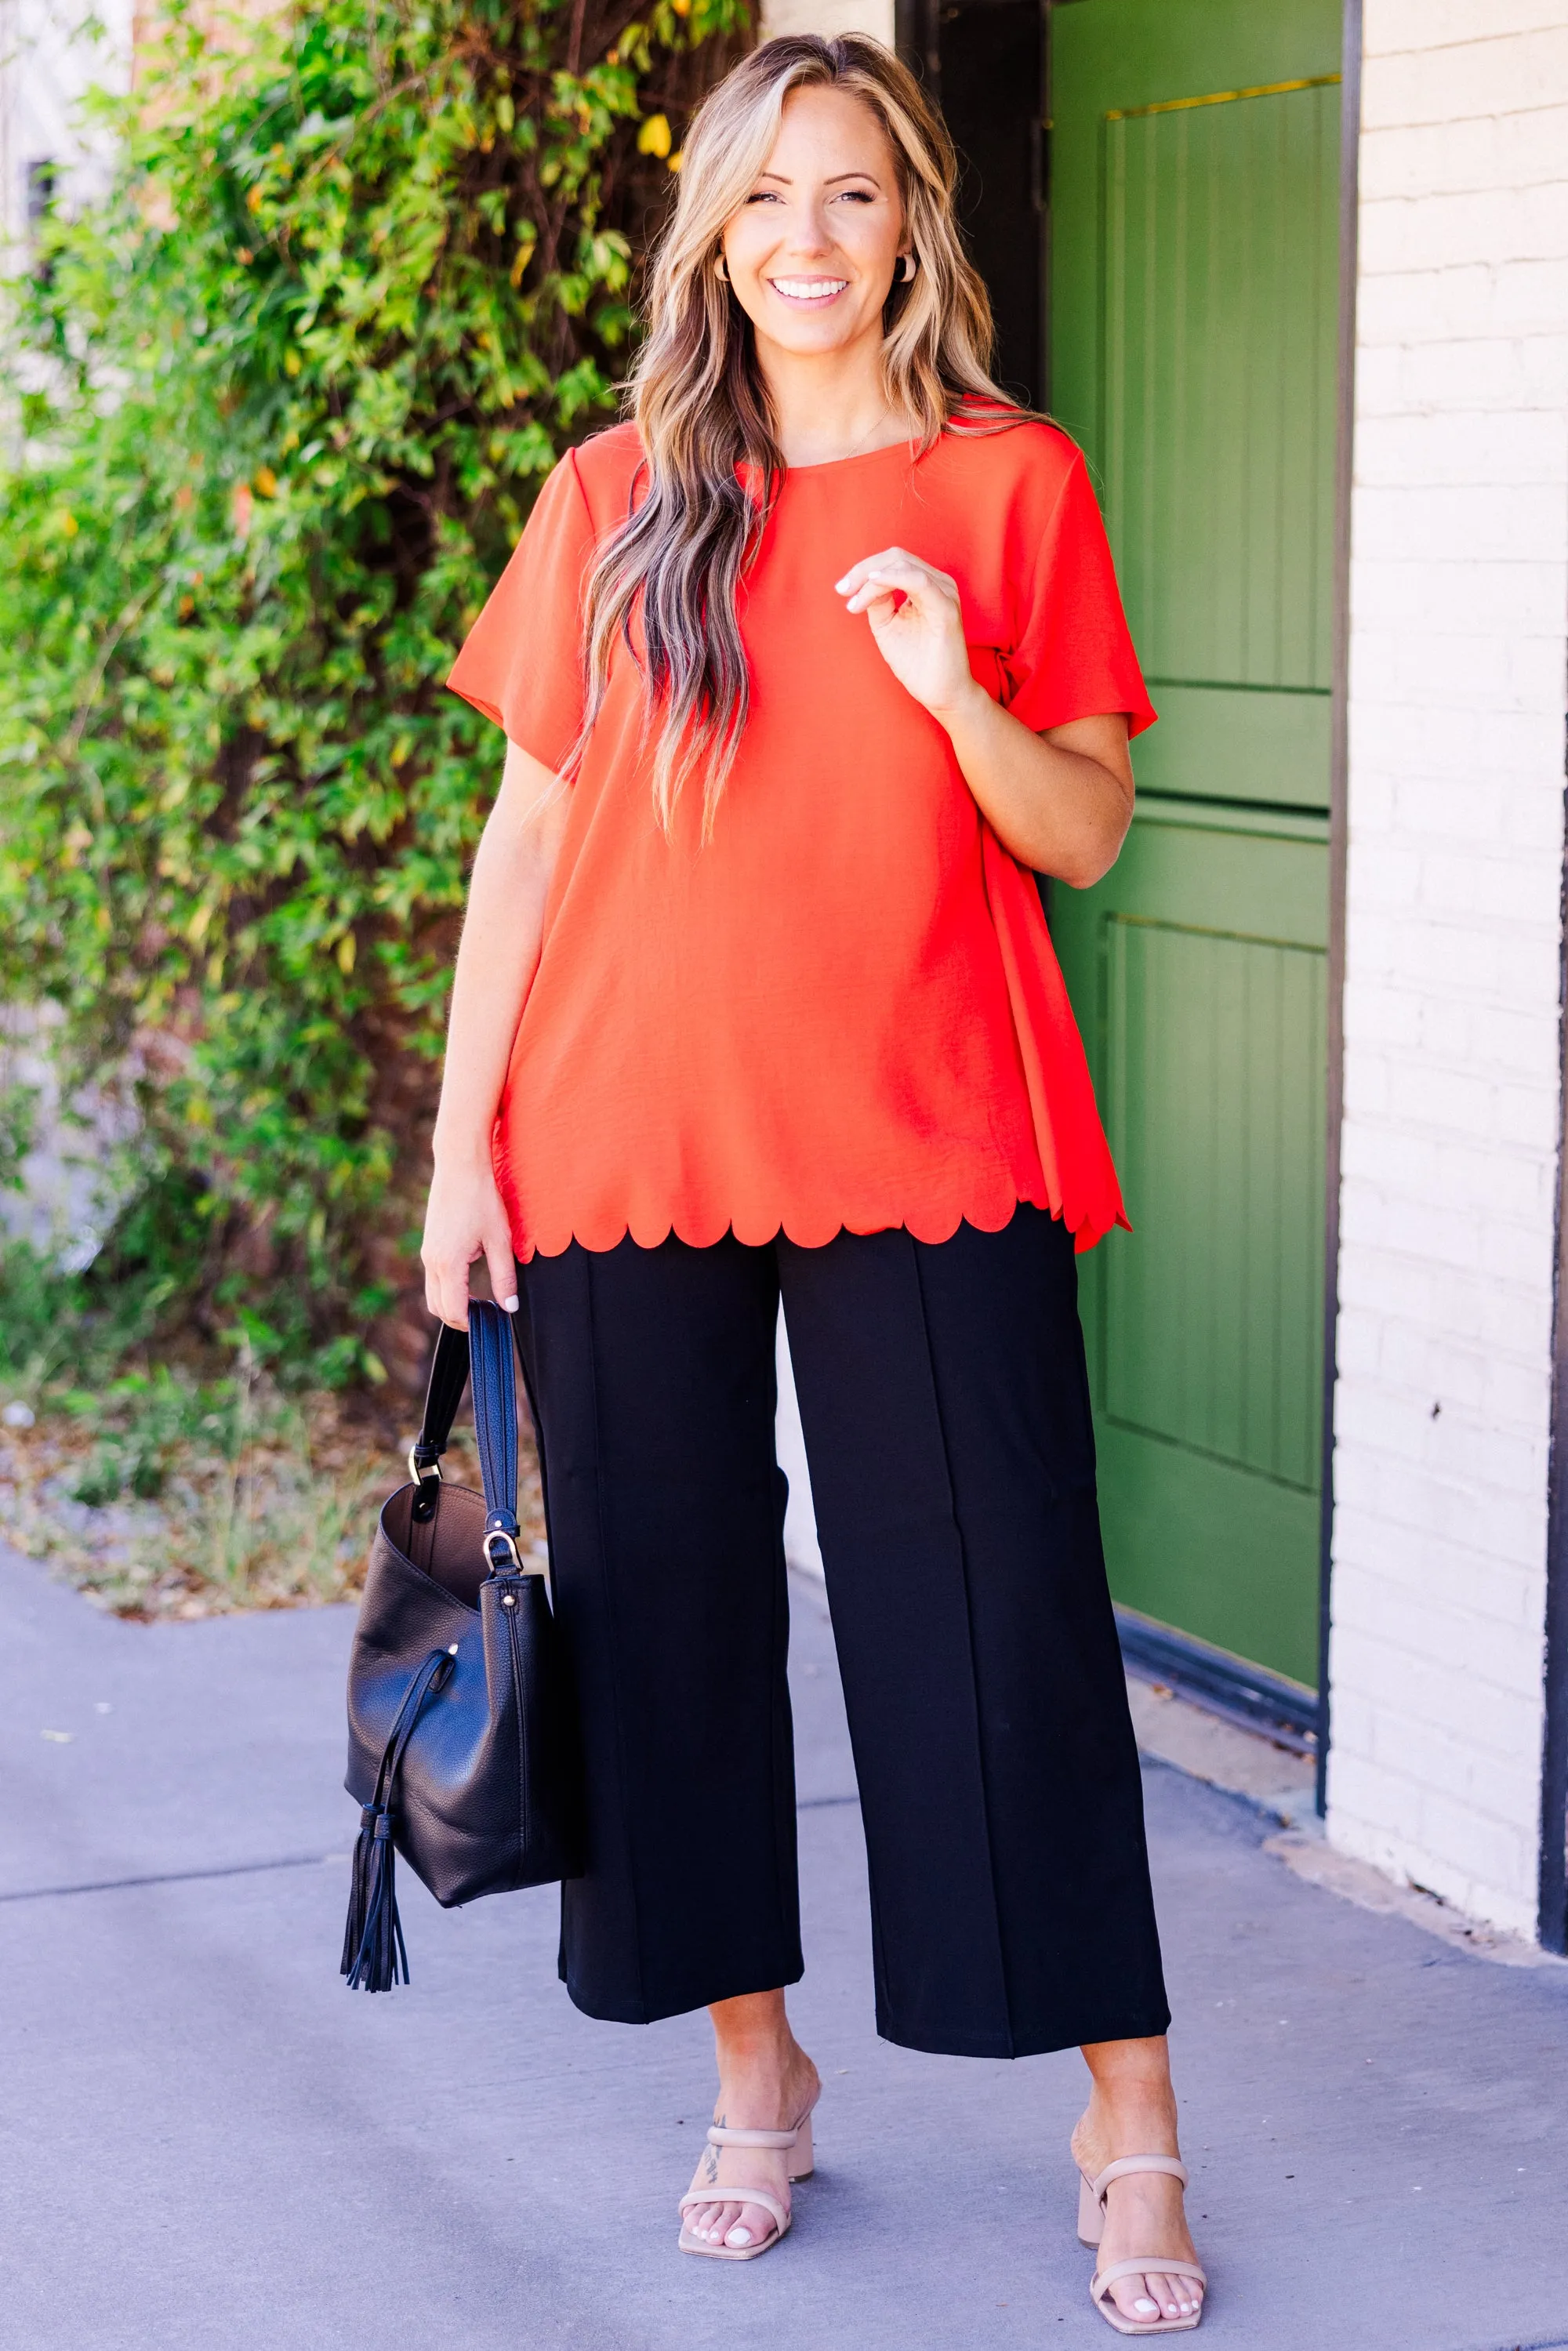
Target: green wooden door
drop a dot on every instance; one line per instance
(1194, 193)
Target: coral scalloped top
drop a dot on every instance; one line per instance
(843, 1010)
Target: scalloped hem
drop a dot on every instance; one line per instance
(1087, 1227)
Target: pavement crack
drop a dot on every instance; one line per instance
(256, 1868)
(171, 1876)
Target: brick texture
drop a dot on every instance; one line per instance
(1458, 644)
(874, 16)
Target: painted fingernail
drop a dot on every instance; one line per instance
(509, 1305)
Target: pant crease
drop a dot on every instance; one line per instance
(778, 1664)
(780, 1601)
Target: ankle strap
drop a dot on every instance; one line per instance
(718, 2137)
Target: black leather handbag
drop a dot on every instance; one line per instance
(462, 1746)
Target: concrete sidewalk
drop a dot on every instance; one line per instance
(206, 2141)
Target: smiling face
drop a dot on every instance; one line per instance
(812, 252)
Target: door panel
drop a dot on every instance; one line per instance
(1193, 210)
(1161, 1531)
(1219, 478)
(1216, 743)
(1207, 1312)
(1204, 1324)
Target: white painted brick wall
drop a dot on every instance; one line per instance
(874, 17)
(1459, 647)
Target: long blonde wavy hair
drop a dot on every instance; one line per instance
(702, 408)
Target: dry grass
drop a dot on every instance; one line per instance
(180, 1502)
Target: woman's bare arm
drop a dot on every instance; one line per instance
(1060, 801)
(497, 960)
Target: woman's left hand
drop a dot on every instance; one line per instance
(920, 639)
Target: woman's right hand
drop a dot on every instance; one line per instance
(465, 1219)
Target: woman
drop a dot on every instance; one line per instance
(799, 670)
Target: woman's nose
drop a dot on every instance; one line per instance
(812, 234)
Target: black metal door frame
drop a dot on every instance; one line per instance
(919, 27)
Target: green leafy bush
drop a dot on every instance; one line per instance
(365, 271)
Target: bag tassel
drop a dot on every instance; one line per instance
(373, 1948)
(358, 1893)
(379, 1950)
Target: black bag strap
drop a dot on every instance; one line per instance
(448, 1378)
(495, 1377)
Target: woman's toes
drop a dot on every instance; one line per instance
(1147, 2297)
(750, 2226)
(729, 2224)
(1156, 2296)
(1174, 2295)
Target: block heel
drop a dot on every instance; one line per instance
(802, 2162)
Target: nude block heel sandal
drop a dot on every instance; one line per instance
(797, 2143)
(1091, 2195)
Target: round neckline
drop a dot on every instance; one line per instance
(857, 458)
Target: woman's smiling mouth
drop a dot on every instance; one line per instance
(808, 289)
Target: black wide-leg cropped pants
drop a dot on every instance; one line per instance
(946, 1410)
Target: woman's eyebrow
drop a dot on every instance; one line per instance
(832, 181)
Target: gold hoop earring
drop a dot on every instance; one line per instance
(721, 270)
(906, 272)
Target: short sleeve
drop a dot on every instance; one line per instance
(1073, 655)
(521, 663)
